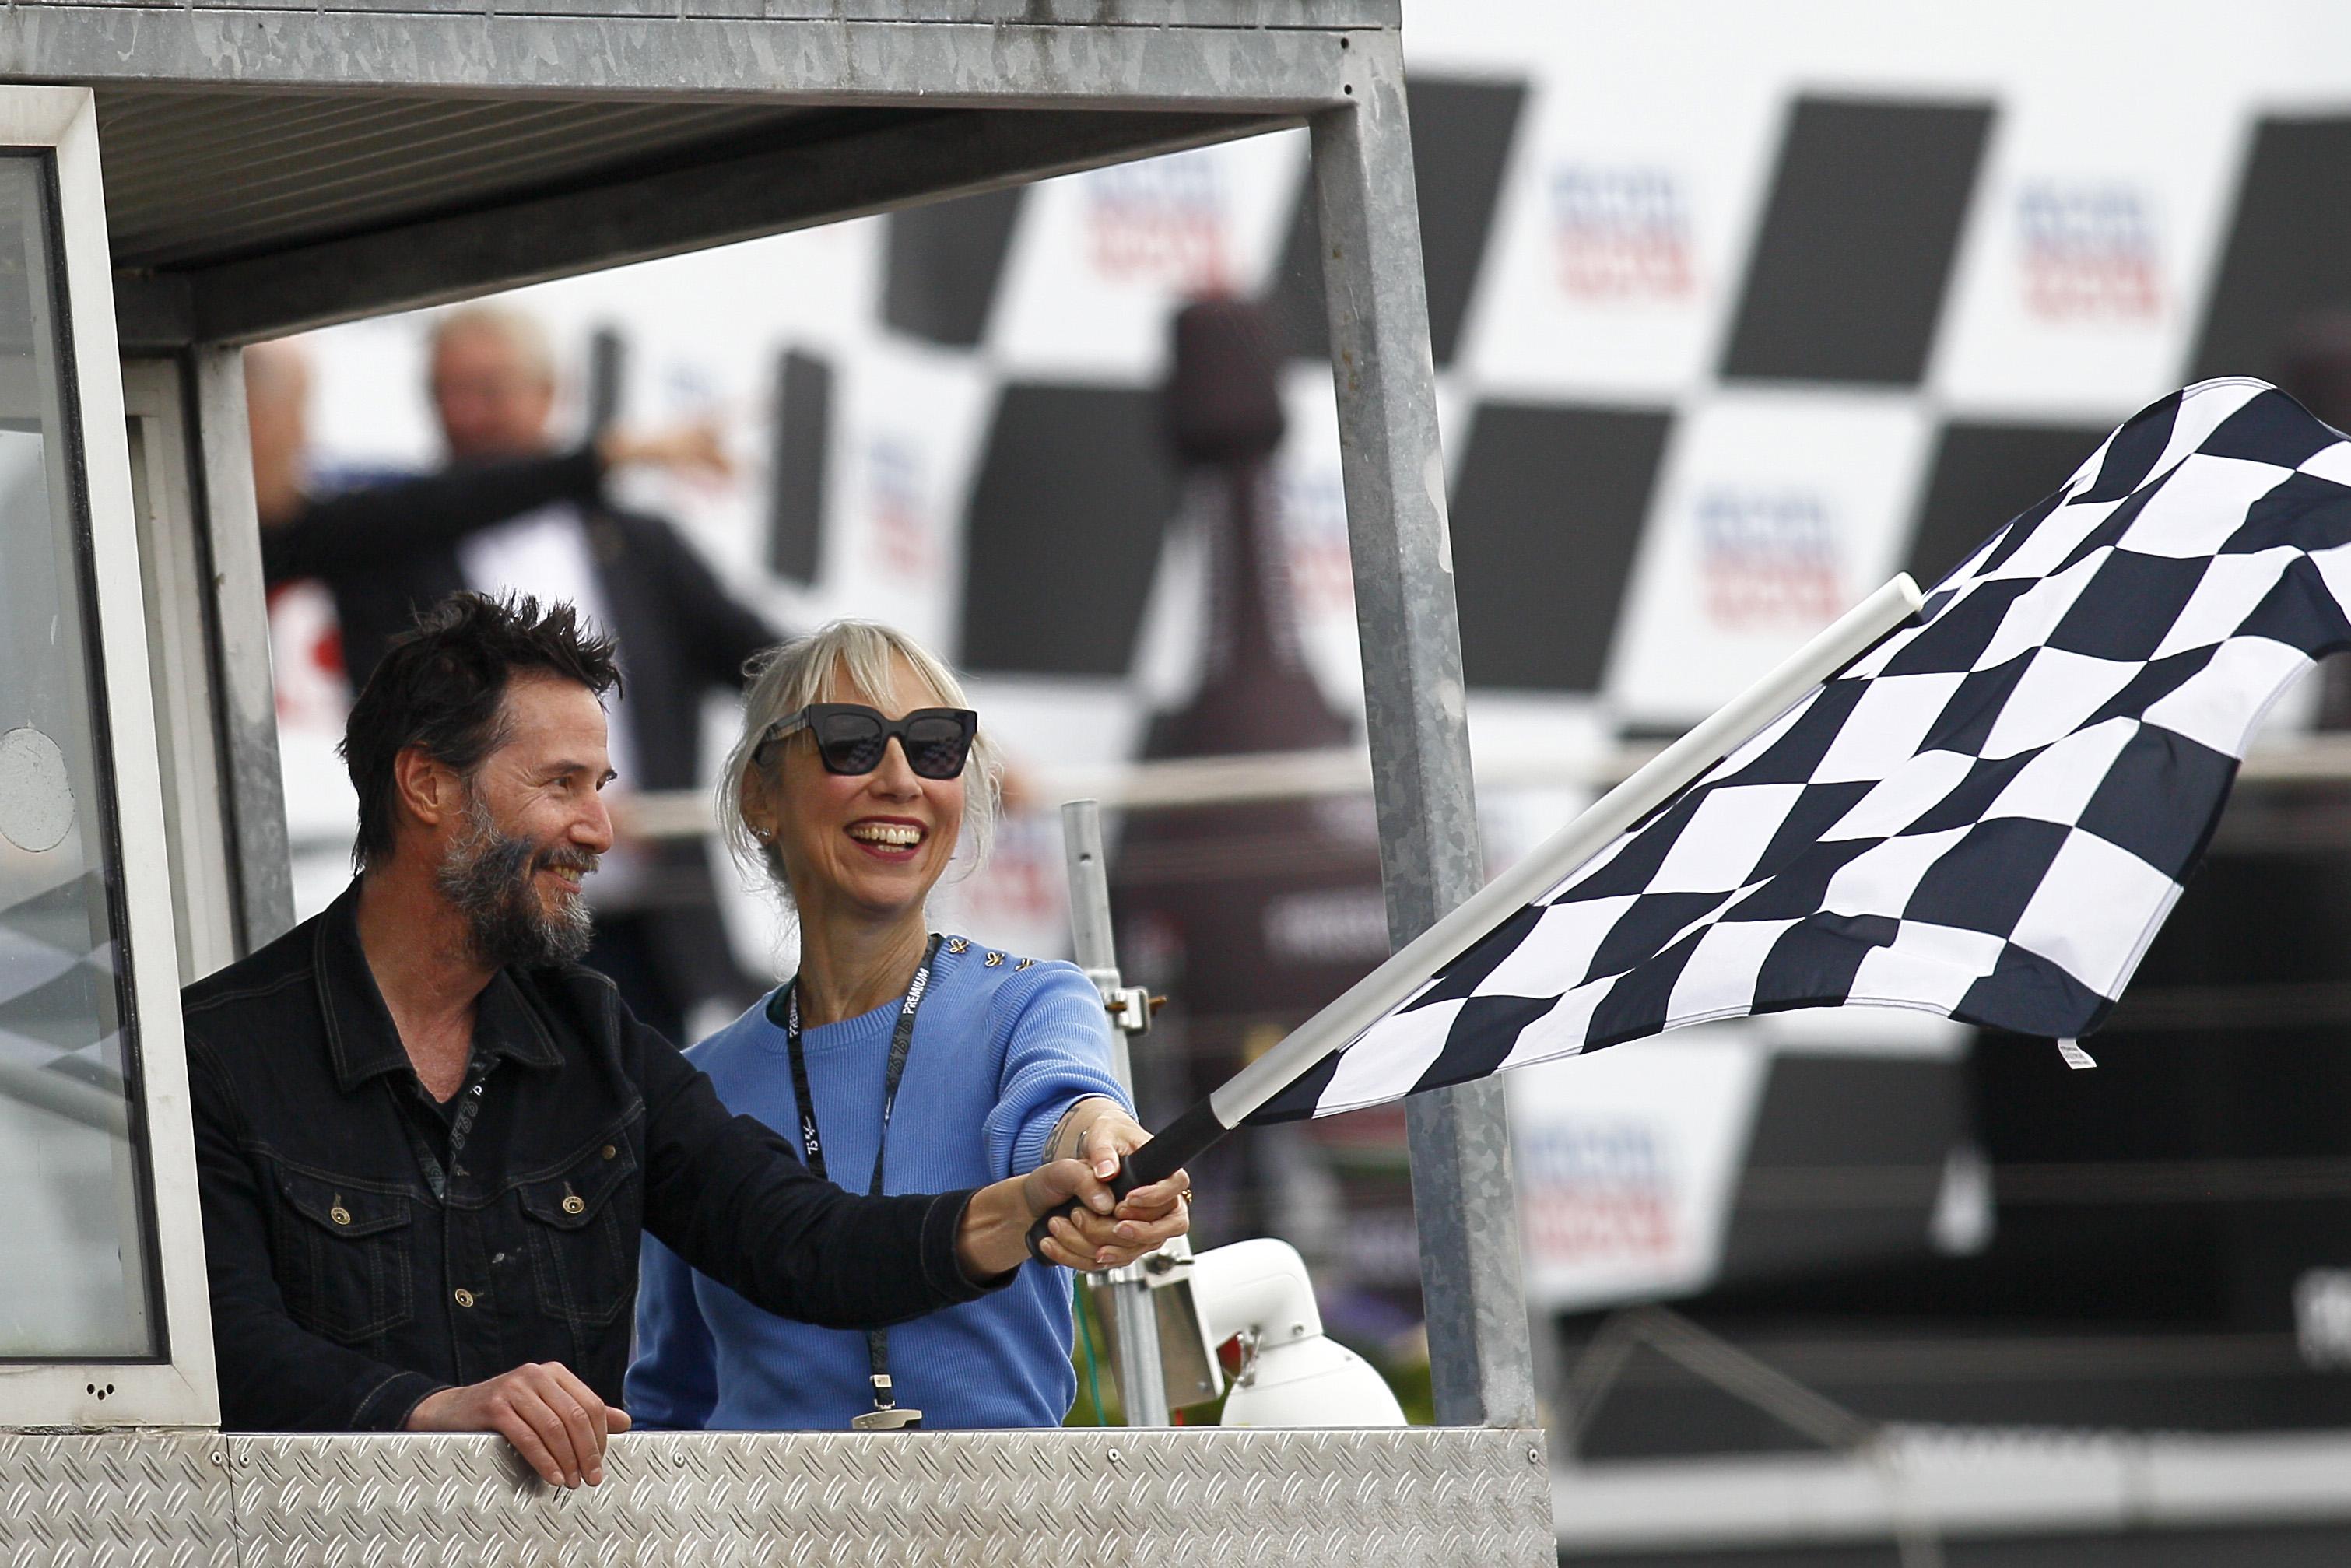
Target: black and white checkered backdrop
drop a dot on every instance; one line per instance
(1714, 362)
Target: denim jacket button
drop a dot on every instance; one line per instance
(464, 1297)
(340, 1214)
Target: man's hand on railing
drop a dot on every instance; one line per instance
(555, 1421)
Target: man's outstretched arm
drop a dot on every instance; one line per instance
(1104, 1233)
(730, 1197)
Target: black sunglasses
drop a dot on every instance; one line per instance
(851, 737)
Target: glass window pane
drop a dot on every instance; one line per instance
(73, 1263)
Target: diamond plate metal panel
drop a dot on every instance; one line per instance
(115, 1500)
(1266, 1500)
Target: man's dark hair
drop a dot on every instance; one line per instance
(442, 687)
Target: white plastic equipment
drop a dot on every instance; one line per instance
(1290, 1375)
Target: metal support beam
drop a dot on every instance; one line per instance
(253, 787)
(1430, 859)
(846, 167)
(1239, 54)
(153, 314)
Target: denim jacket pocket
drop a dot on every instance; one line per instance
(584, 1235)
(343, 1264)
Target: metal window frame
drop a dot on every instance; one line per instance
(174, 568)
(216, 711)
(179, 1389)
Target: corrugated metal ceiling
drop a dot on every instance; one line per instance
(197, 177)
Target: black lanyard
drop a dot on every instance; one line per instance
(877, 1341)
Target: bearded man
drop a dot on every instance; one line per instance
(428, 1138)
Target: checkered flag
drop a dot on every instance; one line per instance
(1987, 816)
(61, 1047)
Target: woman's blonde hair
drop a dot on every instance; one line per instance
(787, 677)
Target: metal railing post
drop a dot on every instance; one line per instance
(1134, 1316)
(1430, 859)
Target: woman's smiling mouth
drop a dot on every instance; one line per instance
(886, 835)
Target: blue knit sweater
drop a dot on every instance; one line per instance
(1002, 1047)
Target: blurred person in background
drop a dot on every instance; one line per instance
(512, 512)
(906, 1060)
(361, 532)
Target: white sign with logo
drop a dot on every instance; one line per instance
(907, 436)
(1776, 511)
(1313, 502)
(2083, 275)
(1618, 240)
(1100, 260)
(1627, 1160)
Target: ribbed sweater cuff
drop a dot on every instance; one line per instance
(1028, 1149)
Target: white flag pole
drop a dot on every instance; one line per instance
(1549, 864)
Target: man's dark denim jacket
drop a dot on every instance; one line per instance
(358, 1261)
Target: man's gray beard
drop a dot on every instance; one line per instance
(488, 875)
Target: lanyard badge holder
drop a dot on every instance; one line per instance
(886, 1416)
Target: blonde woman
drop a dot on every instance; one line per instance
(898, 1059)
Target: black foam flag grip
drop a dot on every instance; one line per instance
(1188, 1137)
